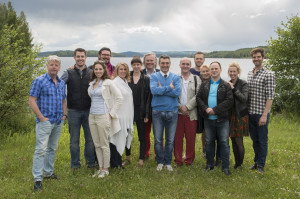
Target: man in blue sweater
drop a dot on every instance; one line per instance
(165, 88)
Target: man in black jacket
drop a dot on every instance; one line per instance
(78, 103)
(215, 99)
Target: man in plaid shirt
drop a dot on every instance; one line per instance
(47, 101)
(261, 94)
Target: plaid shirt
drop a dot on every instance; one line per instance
(49, 97)
(261, 88)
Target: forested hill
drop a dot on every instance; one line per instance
(240, 53)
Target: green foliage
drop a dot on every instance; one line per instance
(284, 60)
(18, 67)
(281, 178)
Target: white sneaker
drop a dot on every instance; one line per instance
(103, 173)
(96, 173)
(159, 167)
(169, 167)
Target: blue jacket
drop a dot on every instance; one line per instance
(164, 98)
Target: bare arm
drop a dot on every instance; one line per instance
(33, 105)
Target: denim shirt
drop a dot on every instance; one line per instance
(49, 97)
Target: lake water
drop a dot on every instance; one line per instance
(245, 64)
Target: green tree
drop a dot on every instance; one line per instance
(284, 60)
(19, 65)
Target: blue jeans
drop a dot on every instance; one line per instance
(259, 136)
(47, 136)
(164, 120)
(76, 119)
(217, 130)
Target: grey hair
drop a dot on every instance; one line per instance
(53, 58)
(151, 53)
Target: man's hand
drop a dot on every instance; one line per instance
(210, 111)
(146, 120)
(71, 67)
(43, 119)
(159, 85)
(172, 86)
(262, 120)
(184, 110)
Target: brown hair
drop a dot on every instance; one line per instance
(258, 50)
(136, 59)
(105, 74)
(164, 57)
(127, 77)
(200, 53)
(216, 63)
(79, 50)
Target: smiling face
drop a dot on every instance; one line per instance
(185, 65)
(164, 65)
(122, 72)
(199, 59)
(53, 68)
(99, 71)
(215, 70)
(80, 58)
(105, 56)
(233, 73)
(205, 73)
(257, 59)
(136, 67)
(150, 62)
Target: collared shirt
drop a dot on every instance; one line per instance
(163, 74)
(261, 88)
(212, 97)
(149, 74)
(184, 88)
(49, 97)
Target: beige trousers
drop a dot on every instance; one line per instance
(100, 128)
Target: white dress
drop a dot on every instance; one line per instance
(125, 114)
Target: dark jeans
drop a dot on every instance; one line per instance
(214, 130)
(259, 136)
(76, 119)
(140, 125)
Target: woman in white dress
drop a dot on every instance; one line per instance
(125, 114)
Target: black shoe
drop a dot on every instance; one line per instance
(218, 162)
(37, 185)
(53, 176)
(236, 166)
(207, 168)
(253, 167)
(227, 172)
(260, 170)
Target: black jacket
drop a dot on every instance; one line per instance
(145, 104)
(224, 100)
(77, 85)
(240, 94)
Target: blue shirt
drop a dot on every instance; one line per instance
(98, 106)
(49, 97)
(212, 97)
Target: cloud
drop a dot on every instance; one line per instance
(143, 29)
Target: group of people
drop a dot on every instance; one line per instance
(107, 100)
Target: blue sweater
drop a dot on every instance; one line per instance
(164, 98)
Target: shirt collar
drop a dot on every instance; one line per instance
(148, 73)
(50, 78)
(163, 74)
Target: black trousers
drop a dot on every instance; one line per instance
(115, 157)
(140, 124)
(238, 150)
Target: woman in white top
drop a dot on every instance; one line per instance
(124, 137)
(106, 100)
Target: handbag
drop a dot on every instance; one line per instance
(200, 119)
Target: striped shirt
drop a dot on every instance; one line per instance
(98, 106)
(261, 89)
(49, 97)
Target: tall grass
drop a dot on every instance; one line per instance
(281, 178)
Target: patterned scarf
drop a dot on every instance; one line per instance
(110, 69)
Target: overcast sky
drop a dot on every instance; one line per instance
(154, 25)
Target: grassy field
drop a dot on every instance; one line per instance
(281, 178)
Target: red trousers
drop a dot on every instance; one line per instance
(185, 128)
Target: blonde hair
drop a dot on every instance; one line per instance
(236, 65)
(204, 66)
(127, 77)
